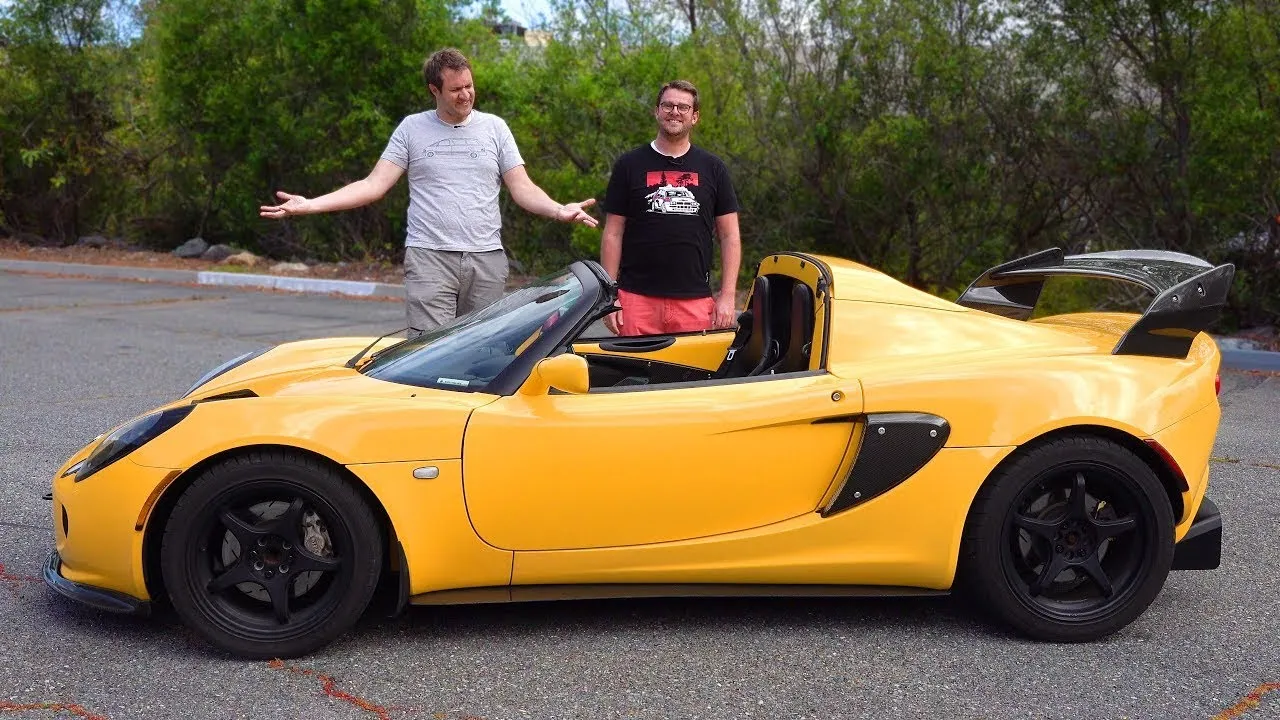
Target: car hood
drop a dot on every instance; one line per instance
(282, 368)
(303, 395)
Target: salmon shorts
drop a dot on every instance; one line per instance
(646, 315)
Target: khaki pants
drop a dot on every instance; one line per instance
(440, 285)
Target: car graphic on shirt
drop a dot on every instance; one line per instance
(456, 146)
(670, 199)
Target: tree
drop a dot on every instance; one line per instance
(58, 83)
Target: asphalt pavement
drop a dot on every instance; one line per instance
(78, 356)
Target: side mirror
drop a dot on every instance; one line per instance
(566, 372)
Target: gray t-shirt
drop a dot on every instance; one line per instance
(455, 175)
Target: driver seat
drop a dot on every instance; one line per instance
(754, 349)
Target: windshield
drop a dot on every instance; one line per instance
(470, 351)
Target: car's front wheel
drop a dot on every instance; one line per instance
(1069, 541)
(271, 554)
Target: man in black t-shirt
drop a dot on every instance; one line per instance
(665, 201)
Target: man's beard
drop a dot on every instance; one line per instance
(668, 135)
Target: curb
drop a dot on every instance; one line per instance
(205, 277)
(1232, 359)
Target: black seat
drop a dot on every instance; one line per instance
(800, 342)
(755, 350)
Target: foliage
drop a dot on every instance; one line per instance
(59, 73)
(929, 138)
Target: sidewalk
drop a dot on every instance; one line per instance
(323, 286)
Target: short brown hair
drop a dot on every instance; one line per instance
(433, 68)
(684, 85)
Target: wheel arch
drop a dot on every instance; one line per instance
(1172, 481)
(153, 532)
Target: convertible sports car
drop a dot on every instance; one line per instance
(852, 436)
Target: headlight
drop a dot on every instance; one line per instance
(232, 363)
(129, 438)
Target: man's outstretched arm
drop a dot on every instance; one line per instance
(535, 199)
(357, 194)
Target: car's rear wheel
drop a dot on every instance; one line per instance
(271, 554)
(1069, 541)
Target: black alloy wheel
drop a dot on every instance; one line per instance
(1069, 541)
(271, 555)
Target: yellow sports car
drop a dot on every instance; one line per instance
(852, 436)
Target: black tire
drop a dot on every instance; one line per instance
(1068, 542)
(314, 553)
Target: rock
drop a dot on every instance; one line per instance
(286, 267)
(1238, 343)
(219, 252)
(93, 241)
(34, 240)
(192, 248)
(246, 258)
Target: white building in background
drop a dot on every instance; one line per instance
(513, 35)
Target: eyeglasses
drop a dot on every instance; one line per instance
(681, 108)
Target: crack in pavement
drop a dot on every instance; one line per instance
(22, 526)
(77, 710)
(1248, 702)
(329, 685)
(1238, 461)
(15, 581)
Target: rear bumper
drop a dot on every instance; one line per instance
(97, 597)
(1201, 547)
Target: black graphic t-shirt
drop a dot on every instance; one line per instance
(671, 206)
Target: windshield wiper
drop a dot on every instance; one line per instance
(356, 358)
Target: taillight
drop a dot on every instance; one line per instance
(1217, 384)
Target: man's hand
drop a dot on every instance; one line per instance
(292, 205)
(613, 322)
(573, 212)
(726, 313)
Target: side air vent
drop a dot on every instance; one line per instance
(894, 447)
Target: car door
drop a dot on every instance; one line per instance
(654, 464)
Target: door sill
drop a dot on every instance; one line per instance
(539, 593)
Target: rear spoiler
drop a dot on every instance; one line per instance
(1189, 292)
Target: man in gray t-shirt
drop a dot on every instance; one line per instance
(458, 159)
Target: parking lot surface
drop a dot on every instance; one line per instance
(78, 356)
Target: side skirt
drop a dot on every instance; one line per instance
(538, 593)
